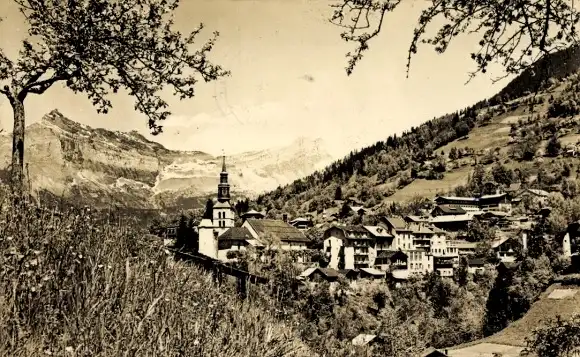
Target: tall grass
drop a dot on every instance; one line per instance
(72, 285)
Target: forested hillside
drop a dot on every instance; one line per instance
(501, 134)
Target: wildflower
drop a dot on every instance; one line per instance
(100, 266)
(196, 342)
(69, 349)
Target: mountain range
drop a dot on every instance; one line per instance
(98, 167)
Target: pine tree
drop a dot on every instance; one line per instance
(338, 193)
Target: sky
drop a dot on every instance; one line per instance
(287, 81)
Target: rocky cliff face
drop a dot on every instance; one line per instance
(100, 167)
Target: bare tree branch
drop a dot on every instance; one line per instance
(512, 32)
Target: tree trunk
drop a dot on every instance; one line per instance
(18, 146)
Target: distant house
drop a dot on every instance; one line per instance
(444, 266)
(447, 210)
(320, 274)
(401, 231)
(392, 260)
(484, 202)
(452, 223)
(539, 196)
(349, 247)
(266, 230)
(235, 239)
(301, 223)
(505, 248)
(463, 247)
(371, 273)
(475, 265)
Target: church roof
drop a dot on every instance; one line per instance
(278, 229)
(236, 233)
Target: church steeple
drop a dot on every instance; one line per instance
(223, 186)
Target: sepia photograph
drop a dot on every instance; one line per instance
(290, 178)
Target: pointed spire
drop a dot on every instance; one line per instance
(223, 163)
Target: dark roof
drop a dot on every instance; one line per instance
(279, 229)
(236, 233)
(390, 254)
(476, 262)
(432, 352)
(328, 272)
(450, 209)
(397, 223)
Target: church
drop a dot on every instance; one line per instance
(218, 234)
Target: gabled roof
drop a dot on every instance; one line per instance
(236, 233)
(455, 198)
(373, 272)
(432, 352)
(279, 229)
(378, 231)
(537, 192)
(389, 254)
(397, 223)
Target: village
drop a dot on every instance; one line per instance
(396, 248)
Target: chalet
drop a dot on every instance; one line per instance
(447, 210)
(383, 240)
(264, 230)
(349, 274)
(444, 266)
(391, 260)
(235, 239)
(317, 275)
(403, 234)
(462, 247)
(350, 247)
(484, 202)
(505, 248)
(475, 265)
(301, 223)
(539, 196)
(466, 203)
(452, 223)
(497, 218)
